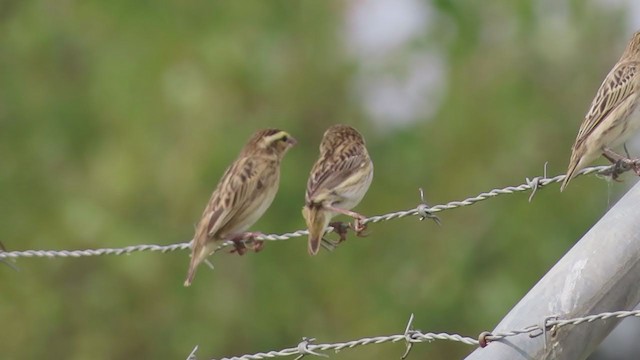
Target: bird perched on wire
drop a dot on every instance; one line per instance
(337, 182)
(244, 193)
(614, 114)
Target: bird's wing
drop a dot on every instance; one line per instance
(619, 84)
(330, 172)
(236, 192)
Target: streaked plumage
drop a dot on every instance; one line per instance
(337, 182)
(244, 193)
(614, 114)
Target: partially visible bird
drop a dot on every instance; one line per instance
(337, 182)
(244, 193)
(614, 114)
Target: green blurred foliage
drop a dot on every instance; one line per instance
(117, 118)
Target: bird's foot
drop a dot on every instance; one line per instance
(239, 247)
(341, 229)
(620, 166)
(613, 156)
(247, 241)
(359, 227)
(621, 163)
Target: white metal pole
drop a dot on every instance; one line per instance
(600, 273)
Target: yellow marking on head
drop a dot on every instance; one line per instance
(279, 136)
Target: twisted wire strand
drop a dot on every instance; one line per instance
(307, 348)
(554, 323)
(410, 337)
(591, 318)
(421, 210)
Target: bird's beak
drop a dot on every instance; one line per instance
(291, 141)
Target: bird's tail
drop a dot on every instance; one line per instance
(574, 167)
(199, 252)
(571, 171)
(317, 220)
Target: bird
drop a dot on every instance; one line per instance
(614, 114)
(337, 182)
(241, 197)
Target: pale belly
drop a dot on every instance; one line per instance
(621, 135)
(242, 222)
(612, 132)
(351, 196)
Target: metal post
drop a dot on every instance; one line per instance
(600, 273)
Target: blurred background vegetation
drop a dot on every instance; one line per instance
(117, 119)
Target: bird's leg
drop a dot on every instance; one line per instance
(634, 163)
(240, 242)
(620, 162)
(619, 167)
(250, 238)
(612, 156)
(626, 151)
(358, 225)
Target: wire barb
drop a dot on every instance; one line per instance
(534, 183)
(303, 348)
(408, 333)
(544, 328)
(192, 355)
(425, 211)
(411, 337)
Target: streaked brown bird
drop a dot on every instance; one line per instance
(614, 114)
(337, 182)
(244, 193)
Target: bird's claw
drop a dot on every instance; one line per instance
(341, 229)
(359, 228)
(258, 245)
(619, 167)
(247, 241)
(621, 163)
(239, 247)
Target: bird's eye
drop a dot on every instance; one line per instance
(285, 138)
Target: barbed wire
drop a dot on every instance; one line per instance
(422, 210)
(411, 337)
